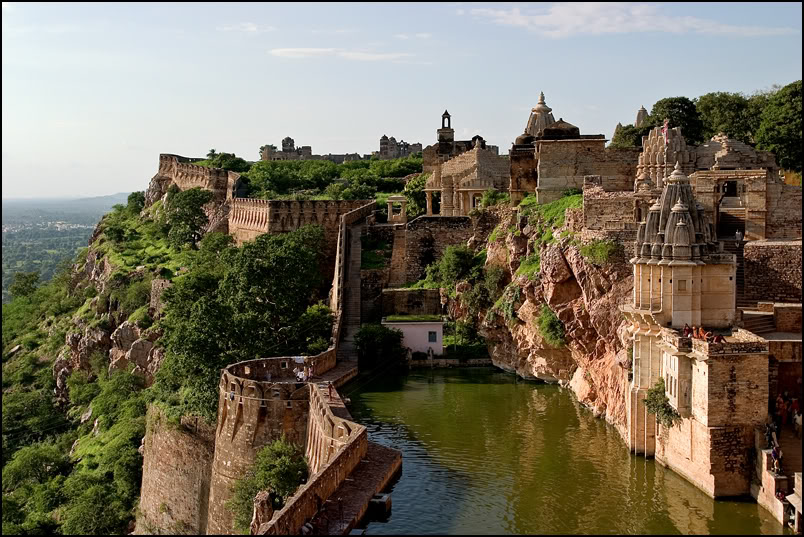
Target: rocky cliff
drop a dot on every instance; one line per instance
(583, 294)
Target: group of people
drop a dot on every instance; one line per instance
(786, 409)
(302, 374)
(698, 332)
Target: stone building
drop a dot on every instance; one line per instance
(550, 157)
(459, 183)
(720, 390)
(447, 146)
(291, 152)
(390, 148)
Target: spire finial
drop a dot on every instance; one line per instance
(677, 167)
(541, 97)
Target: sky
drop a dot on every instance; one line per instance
(92, 93)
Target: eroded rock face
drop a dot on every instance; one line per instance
(263, 511)
(586, 298)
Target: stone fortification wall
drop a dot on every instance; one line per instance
(251, 414)
(428, 237)
(787, 317)
(411, 302)
(773, 270)
(175, 476)
(335, 447)
(607, 210)
(249, 218)
(178, 170)
(783, 220)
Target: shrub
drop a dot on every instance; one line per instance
(280, 468)
(657, 403)
(375, 341)
(494, 197)
(530, 266)
(550, 327)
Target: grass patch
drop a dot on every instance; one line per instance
(599, 251)
(550, 327)
(530, 266)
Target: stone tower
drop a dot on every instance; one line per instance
(642, 115)
(540, 117)
(680, 278)
(446, 134)
(288, 145)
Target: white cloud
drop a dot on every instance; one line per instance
(567, 19)
(338, 53)
(246, 27)
(420, 35)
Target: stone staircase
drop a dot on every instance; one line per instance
(759, 323)
(730, 220)
(736, 248)
(351, 299)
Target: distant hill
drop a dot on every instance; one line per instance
(71, 205)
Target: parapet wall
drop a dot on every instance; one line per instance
(249, 218)
(783, 211)
(183, 173)
(773, 270)
(334, 449)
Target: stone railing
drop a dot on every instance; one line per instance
(672, 337)
(335, 448)
(730, 347)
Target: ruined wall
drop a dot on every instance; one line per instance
(411, 302)
(783, 211)
(335, 447)
(177, 465)
(773, 270)
(608, 210)
(428, 236)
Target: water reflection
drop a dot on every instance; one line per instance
(484, 452)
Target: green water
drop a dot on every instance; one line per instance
(486, 453)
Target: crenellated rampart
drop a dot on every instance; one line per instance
(183, 173)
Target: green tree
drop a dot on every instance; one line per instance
(376, 342)
(416, 196)
(629, 136)
(780, 127)
(186, 216)
(211, 154)
(657, 403)
(25, 284)
(724, 112)
(136, 201)
(280, 468)
(229, 161)
(680, 112)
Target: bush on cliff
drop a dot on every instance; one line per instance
(493, 197)
(550, 327)
(600, 252)
(280, 468)
(186, 217)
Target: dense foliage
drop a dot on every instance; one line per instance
(239, 304)
(280, 468)
(780, 128)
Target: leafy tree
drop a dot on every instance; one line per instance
(280, 468)
(35, 463)
(416, 196)
(493, 197)
(136, 202)
(24, 284)
(780, 127)
(229, 161)
(629, 136)
(186, 216)
(211, 154)
(97, 511)
(724, 112)
(680, 112)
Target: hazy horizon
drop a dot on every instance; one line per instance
(93, 93)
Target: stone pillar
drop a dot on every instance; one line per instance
(390, 210)
(429, 203)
